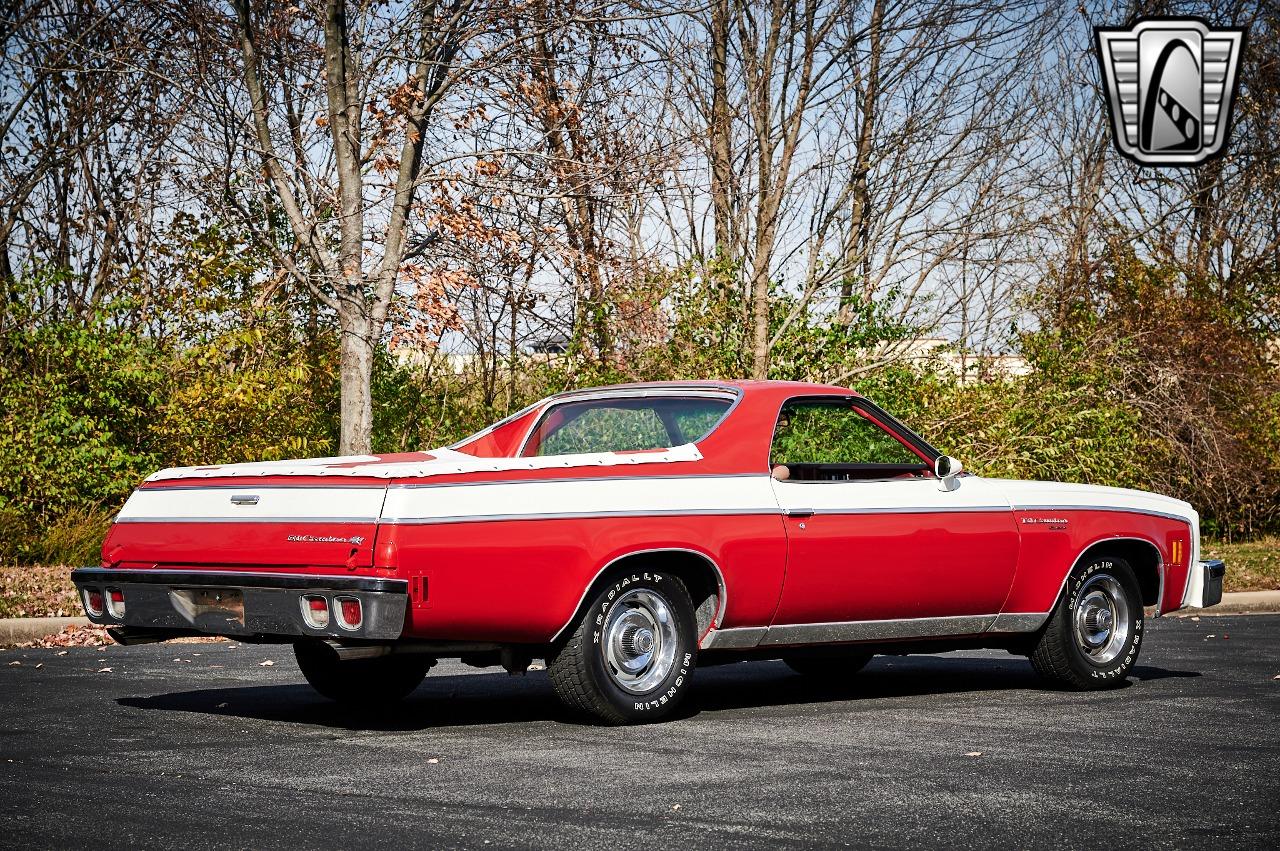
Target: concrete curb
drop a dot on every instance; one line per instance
(15, 630)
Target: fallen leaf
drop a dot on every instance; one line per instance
(266, 664)
(61, 653)
(1276, 677)
(12, 664)
(433, 761)
(974, 753)
(1210, 635)
(676, 807)
(1196, 618)
(104, 670)
(40, 665)
(537, 668)
(222, 706)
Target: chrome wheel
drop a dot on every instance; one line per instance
(639, 640)
(1102, 620)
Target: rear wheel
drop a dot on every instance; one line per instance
(828, 664)
(1094, 634)
(631, 657)
(360, 682)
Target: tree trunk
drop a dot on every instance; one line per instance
(720, 148)
(855, 248)
(356, 401)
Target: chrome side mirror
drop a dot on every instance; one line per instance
(946, 469)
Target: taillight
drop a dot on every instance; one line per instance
(349, 612)
(315, 611)
(115, 603)
(93, 602)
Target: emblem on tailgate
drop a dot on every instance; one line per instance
(354, 540)
(244, 499)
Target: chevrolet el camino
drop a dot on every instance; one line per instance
(628, 534)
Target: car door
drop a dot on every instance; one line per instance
(872, 533)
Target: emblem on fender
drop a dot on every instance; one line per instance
(1170, 83)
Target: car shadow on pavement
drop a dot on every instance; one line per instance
(496, 698)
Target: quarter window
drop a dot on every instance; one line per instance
(624, 425)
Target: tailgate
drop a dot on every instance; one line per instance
(248, 523)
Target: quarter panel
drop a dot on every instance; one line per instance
(522, 580)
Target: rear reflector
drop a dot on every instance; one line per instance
(315, 611)
(115, 602)
(93, 602)
(349, 612)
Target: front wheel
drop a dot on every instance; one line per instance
(360, 682)
(1094, 634)
(631, 657)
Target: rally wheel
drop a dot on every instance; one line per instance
(1093, 636)
(631, 656)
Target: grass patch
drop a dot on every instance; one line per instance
(1251, 565)
(37, 592)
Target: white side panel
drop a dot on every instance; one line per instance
(581, 498)
(1050, 495)
(336, 504)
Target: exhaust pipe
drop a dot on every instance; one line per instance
(349, 652)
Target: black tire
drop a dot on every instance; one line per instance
(1093, 636)
(601, 670)
(830, 665)
(360, 682)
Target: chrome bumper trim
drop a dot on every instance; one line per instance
(155, 599)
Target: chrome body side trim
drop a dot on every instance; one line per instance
(1019, 621)
(742, 638)
(585, 515)
(745, 638)
(827, 633)
(1119, 508)
(723, 589)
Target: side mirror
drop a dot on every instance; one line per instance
(946, 467)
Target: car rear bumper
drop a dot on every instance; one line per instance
(237, 603)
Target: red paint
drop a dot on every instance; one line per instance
(522, 580)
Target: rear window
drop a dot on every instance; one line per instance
(624, 425)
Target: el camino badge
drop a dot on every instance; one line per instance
(354, 540)
(1047, 522)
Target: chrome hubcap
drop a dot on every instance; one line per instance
(639, 640)
(1102, 622)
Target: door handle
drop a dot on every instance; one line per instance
(798, 512)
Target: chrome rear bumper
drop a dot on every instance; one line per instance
(241, 603)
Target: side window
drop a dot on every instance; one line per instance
(602, 429)
(624, 425)
(826, 441)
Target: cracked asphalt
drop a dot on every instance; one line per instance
(219, 750)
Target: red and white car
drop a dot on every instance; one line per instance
(626, 534)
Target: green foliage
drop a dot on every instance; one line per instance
(834, 434)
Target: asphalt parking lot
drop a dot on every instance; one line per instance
(207, 746)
